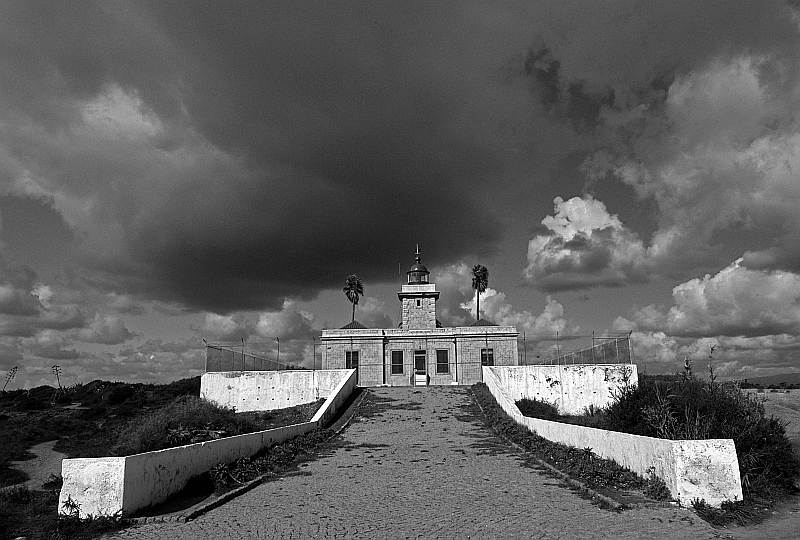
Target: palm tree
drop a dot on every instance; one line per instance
(353, 288)
(480, 280)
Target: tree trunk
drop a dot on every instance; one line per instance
(477, 305)
(354, 312)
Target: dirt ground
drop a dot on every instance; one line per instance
(785, 521)
(47, 463)
(786, 406)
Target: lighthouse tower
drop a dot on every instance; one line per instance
(418, 298)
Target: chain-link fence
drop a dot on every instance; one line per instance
(616, 349)
(222, 358)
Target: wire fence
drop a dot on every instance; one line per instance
(600, 349)
(224, 358)
(605, 349)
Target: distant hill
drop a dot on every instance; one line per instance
(788, 378)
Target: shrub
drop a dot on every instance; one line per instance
(537, 408)
(695, 409)
(190, 419)
(119, 393)
(168, 426)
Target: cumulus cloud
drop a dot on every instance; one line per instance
(225, 327)
(19, 292)
(154, 360)
(716, 153)
(733, 357)
(752, 317)
(124, 303)
(105, 329)
(15, 301)
(44, 293)
(585, 246)
(28, 306)
(288, 323)
(543, 326)
(736, 301)
(10, 353)
(371, 312)
(52, 345)
(454, 281)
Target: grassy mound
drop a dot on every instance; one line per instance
(29, 417)
(190, 419)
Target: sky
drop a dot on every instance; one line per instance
(175, 171)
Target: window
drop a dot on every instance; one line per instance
(351, 359)
(419, 302)
(397, 362)
(442, 363)
(487, 357)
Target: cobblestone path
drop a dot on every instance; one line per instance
(419, 463)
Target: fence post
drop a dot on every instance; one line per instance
(630, 348)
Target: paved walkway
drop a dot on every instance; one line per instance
(418, 463)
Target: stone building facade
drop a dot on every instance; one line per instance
(420, 351)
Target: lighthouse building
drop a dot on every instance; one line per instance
(420, 351)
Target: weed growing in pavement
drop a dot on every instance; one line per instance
(739, 512)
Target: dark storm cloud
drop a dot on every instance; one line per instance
(224, 156)
(15, 291)
(333, 136)
(568, 99)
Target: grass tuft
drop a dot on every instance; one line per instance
(537, 408)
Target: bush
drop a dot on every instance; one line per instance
(695, 409)
(190, 419)
(536, 408)
(119, 393)
(173, 424)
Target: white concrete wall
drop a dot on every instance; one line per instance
(571, 388)
(268, 390)
(96, 484)
(705, 469)
(338, 396)
(105, 486)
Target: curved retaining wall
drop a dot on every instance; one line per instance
(700, 469)
(107, 485)
(571, 388)
(268, 390)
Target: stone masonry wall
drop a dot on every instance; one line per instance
(463, 354)
(420, 317)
